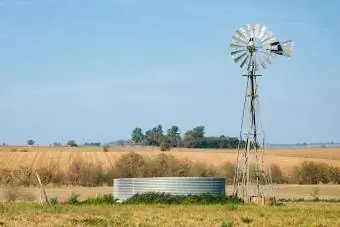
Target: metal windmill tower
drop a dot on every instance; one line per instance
(253, 47)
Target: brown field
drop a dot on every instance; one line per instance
(40, 156)
(292, 214)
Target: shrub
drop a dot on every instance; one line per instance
(3, 209)
(165, 146)
(335, 174)
(26, 176)
(84, 173)
(131, 165)
(310, 172)
(50, 174)
(227, 170)
(54, 200)
(166, 198)
(105, 199)
(226, 224)
(166, 165)
(246, 220)
(105, 148)
(202, 170)
(6, 177)
(276, 174)
(73, 199)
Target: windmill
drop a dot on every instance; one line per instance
(252, 48)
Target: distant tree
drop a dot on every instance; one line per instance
(72, 143)
(92, 144)
(121, 142)
(174, 136)
(30, 142)
(56, 144)
(137, 135)
(195, 133)
(154, 136)
(194, 138)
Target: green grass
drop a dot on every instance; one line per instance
(313, 214)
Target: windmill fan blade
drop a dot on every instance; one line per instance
(282, 48)
(263, 32)
(242, 36)
(257, 30)
(268, 38)
(236, 51)
(261, 59)
(263, 64)
(245, 61)
(250, 30)
(233, 45)
(237, 59)
(238, 40)
(244, 33)
(266, 56)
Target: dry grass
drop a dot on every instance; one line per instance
(42, 156)
(173, 215)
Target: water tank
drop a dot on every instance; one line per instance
(127, 187)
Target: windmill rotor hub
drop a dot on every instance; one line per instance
(257, 38)
(251, 46)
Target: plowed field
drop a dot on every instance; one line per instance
(41, 156)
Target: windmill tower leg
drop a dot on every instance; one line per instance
(249, 170)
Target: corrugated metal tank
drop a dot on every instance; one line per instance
(127, 187)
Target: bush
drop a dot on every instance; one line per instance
(335, 175)
(73, 199)
(50, 174)
(105, 148)
(165, 146)
(227, 170)
(131, 165)
(202, 170)
(276, 174)
(84, 173)
(310, 172)
(54, 200)
(26, 176)
(165, 165)
(226, 224)
(106, 199)
(166, 198)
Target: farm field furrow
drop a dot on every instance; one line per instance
(42, 156)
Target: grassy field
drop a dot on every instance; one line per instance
(286, 191)
(39, 156)
(170, 215)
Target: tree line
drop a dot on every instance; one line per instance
(193, 138)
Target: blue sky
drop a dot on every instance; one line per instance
(94, 70)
